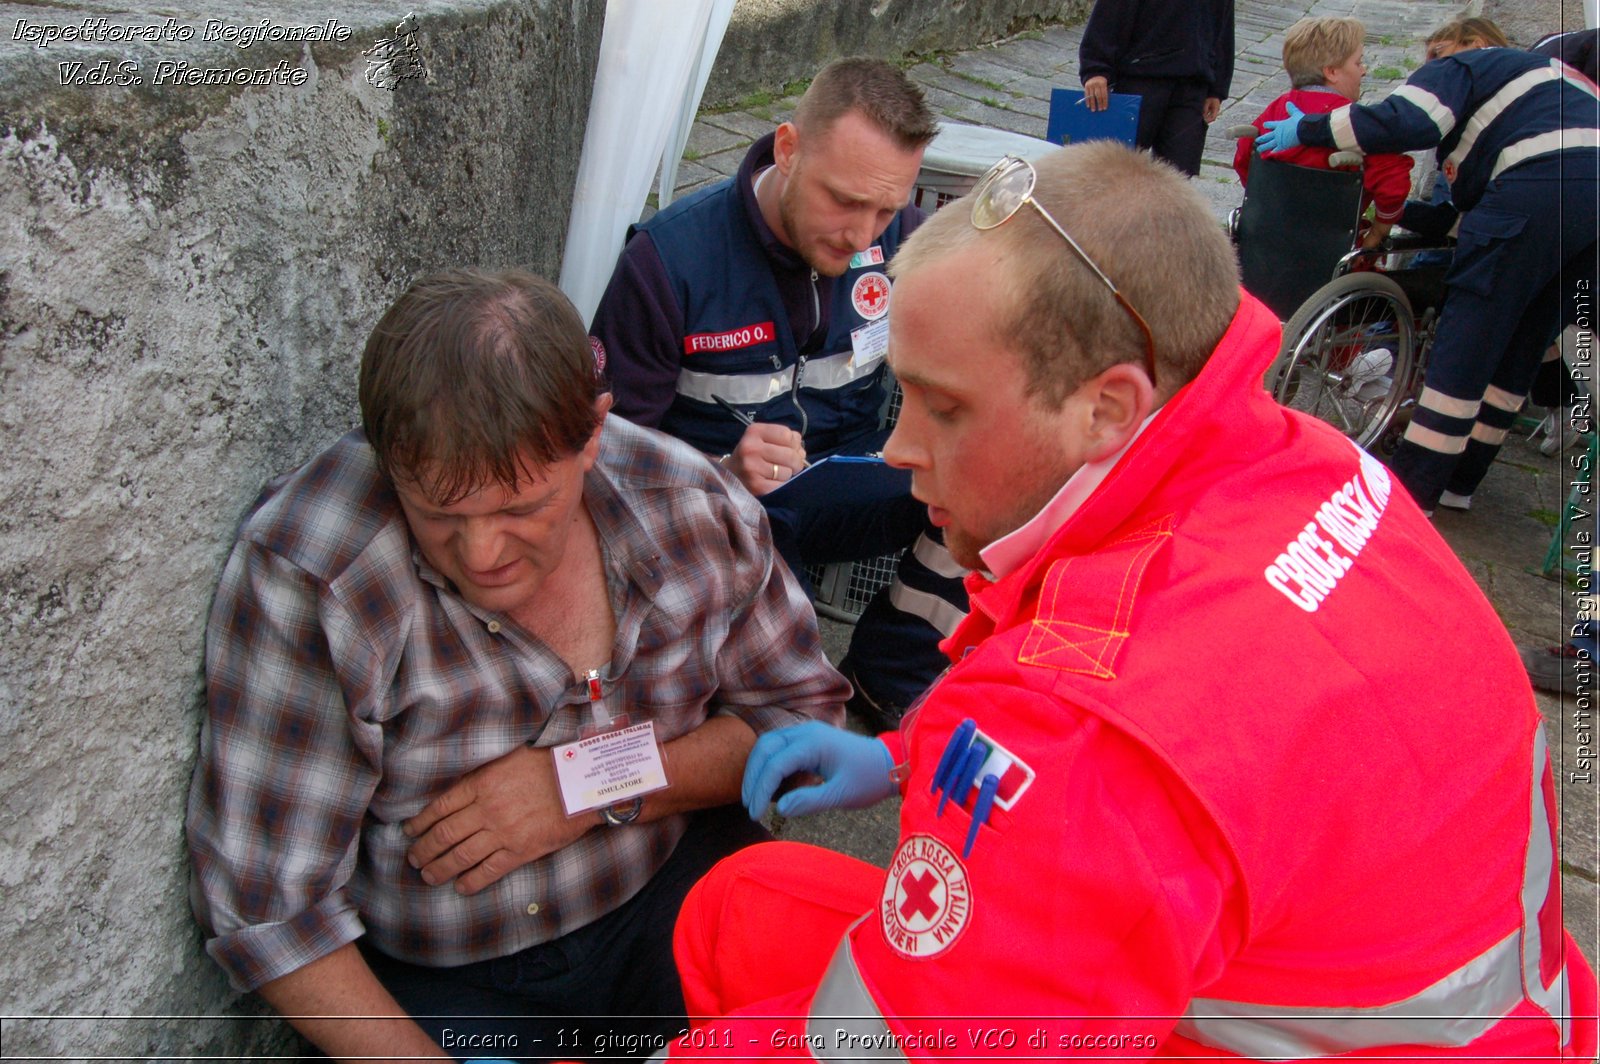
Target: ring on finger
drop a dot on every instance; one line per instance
(776, 472)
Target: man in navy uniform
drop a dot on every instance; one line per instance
(751, 320)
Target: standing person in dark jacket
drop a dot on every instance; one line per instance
(1176, 55)
(1517, 138)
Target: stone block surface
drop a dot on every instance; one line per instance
(190, 261)
(772, 42)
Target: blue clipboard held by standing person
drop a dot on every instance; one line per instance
(1071, 121)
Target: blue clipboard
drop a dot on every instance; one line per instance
(1071, 121)
(857, 477)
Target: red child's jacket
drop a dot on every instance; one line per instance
(1385, 179)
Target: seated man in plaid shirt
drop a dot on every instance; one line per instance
(408, 623)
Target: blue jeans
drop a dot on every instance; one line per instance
(609, 989)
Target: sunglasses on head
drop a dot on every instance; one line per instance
(1000, 194)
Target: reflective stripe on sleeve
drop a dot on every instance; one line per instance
(1453, 1012)
(1443, 119)
(754, 389)
(843, 1004)
(1344, 134)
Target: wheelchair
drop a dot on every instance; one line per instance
(1357, 323)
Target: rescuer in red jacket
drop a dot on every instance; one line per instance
(1195, 784)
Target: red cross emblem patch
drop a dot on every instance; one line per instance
(927, 898)
(871, 295)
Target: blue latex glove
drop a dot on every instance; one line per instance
(1282, 134)
(854, 770)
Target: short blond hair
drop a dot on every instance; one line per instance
(1147, 228)
(1313, 44)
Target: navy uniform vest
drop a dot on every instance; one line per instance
(739, 342)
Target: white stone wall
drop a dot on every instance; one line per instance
(187, 276)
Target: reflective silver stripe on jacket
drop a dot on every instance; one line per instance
(753, 389)
(1535, 888)
(1453, 1012)
(843, 1004)
(1542, 144)
(1529, 147)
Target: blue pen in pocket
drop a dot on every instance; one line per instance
(954, 751)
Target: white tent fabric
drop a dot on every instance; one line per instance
(650, 55)
(721, 15)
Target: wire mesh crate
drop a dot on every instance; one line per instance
(960, 154)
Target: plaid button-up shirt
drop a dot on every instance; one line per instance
(348, 684)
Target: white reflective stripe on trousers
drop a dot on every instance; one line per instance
(935, 556)
(945, 617)
(753, 389)
(1455, 1011)
(843, 1004)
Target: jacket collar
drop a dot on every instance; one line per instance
(1220, 397)
(761, 155)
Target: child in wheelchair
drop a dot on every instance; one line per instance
(1359, 305)
(1325, 60)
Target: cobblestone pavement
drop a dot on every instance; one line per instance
(1502, 541)
(1525, 21)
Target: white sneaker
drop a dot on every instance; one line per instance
(1451, 501)
(1552, 434)
(1558, 435)
(1369, 376)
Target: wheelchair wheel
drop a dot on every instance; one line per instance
(1347, 356)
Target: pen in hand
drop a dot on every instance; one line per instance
(744, 419)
